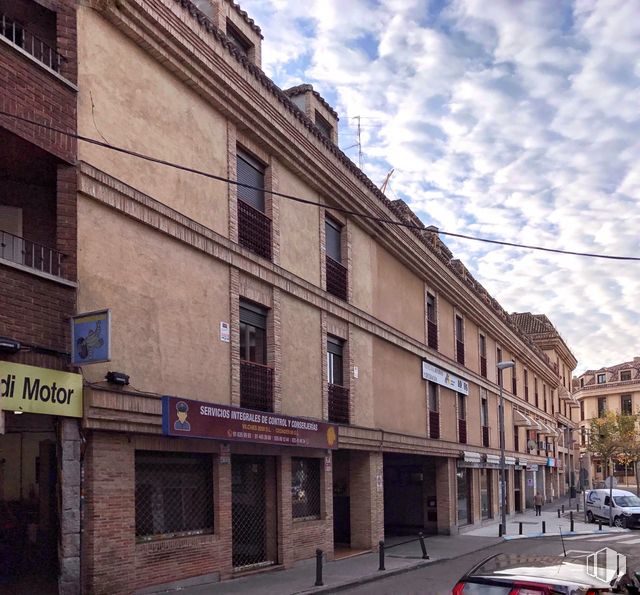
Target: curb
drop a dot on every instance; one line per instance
(567, 534)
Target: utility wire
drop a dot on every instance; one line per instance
(375, 218)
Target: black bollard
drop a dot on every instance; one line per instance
(599, 524)
(544, 526)
(563, 509)
(558, 513)
(571, 520)
(519, 528)
(500, 530)
(319, 582)
(577, 505)
(423, 547)
(381, 555)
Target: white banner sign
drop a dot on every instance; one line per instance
(444, 378)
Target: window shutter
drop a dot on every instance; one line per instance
(251, 172)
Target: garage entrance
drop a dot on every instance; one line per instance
(410, 503)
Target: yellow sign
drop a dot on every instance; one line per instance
(40, 390)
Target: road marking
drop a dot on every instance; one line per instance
(632, 541)
(602, 537)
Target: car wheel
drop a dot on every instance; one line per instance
(590, 518)
(618, 521)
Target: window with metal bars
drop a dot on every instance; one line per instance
(174, 494)
(432, 322)
(254, 227)
(305, 488)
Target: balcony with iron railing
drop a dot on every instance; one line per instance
(256, 386)
(485, 435)
(19, 36)
(30, 255)
(432, 334)
(254, 230)
(336, 278)
(462, 431)
(460, 352)
(338, 404)
(434, 425)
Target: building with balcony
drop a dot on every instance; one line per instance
(298, 378)
(39, 434)
(614, 388)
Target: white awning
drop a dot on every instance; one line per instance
(545, 430)
(493, 459)
(471, 457)
(520, 419)
(509, 460)
(564, 394)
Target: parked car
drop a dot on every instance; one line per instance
(516, 574)
(626, 507)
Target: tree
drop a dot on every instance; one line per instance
(630, 444)
(605, 441)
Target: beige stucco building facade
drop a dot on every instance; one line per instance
(233, 298)
(614, 388)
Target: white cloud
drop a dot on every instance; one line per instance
(513, 120)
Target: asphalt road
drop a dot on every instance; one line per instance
(440, 577)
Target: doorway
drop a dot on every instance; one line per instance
(253, 517)
(341, 500)
(517, 489)
(29, 524)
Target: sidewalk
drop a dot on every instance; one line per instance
(532, 524)
(348, 572)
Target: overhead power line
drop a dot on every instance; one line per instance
(367, 216)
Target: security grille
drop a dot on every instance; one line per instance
(485, 435)
(434, 425)
(249, 514)
(483, 367)
(305, 488)
(432, 334)
(256, 386)
(462, 431)
(460, 352)
(174, 494)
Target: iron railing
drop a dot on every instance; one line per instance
(462, 431)
(483, 367)
(336, 278)
(460, 352)
(31, 44)
(256, 386)
(432, 334)
(254, 230)
(434, 424)
(338, 404)
(30, 254)
(485, 435)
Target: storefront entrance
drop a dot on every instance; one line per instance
(517, 489)
(254, 539)
(28, 505)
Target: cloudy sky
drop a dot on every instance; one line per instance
(506, 119)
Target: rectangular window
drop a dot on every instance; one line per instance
(484, 421)
(516, 438)
(432, 325)
(601, 378)
(238, 39)
(434, 415)
(174, 494)
(462, 407)
(535, 392)
(498, 360)
(526, 386)
(514, 380)
(544, 396)
(254, 227)
(625, 375)
(463, 484)
(625, 405)
(336, 272)
(253, 333)
(459, 340)
(483, 356)
(581, 410)
(305, 488)
(335, 348)
(602, 406)
(323, 125)
(583, 436)
(485, 493)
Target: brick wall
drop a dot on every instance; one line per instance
(28, 90)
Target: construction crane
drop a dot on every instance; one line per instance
(386, 181)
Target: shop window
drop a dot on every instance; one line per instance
(174, 494)
(463, 482)
(305, 488)
(485, 493)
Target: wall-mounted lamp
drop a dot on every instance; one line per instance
(119, 378)
(8, 345)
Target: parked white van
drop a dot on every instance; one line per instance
(626, 507)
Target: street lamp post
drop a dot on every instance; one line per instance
(503, 484)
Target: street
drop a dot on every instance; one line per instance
(440, 577)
